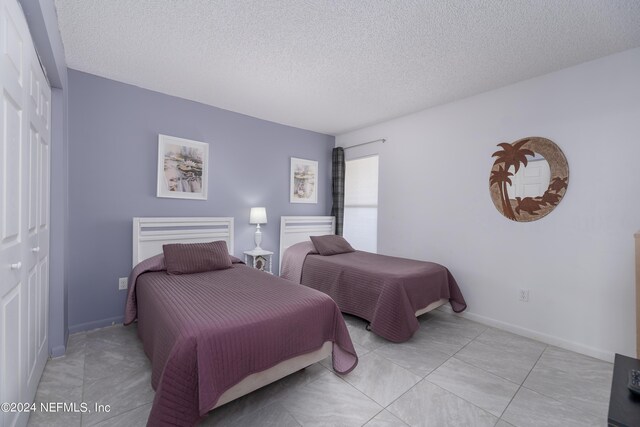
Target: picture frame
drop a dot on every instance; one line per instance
(303, 185)
(183, 168)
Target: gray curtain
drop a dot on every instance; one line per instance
(337, 184)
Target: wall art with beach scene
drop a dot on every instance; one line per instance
(182, 168)
(303, 187)
(528, 179)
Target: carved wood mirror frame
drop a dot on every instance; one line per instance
(509, 160)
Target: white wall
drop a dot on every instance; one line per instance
(578, 261)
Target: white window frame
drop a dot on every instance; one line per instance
(369, 205)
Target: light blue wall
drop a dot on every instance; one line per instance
(113, 149)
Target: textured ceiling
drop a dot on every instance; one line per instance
(335, 66)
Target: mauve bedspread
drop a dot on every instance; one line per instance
(205, 332)
(386, 291)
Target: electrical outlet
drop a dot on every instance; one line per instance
(123, 283)
(523, 295)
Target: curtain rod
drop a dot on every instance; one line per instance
(364, 143)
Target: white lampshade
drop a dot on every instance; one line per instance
(258, 216)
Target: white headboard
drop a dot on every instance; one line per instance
(296, 229)
(149, 234)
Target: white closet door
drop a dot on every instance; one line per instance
(24, 213)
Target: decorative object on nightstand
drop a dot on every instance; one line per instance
(260, 262)
(260, 259)
(258, 216)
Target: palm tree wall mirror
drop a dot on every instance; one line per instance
(528, 178)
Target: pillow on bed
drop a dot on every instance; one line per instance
(196, 257)
(235, 260)
(331, 245)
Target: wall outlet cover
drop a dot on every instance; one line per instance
(523, 295)
(123, 283)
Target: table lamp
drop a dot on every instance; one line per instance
(258, 216)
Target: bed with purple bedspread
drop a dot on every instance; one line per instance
(386, 291)
(205, 332)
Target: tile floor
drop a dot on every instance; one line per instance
(453, 372)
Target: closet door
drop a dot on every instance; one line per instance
(36, 218)
(24, 213)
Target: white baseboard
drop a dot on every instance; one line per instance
(57, 351)
(548, 339)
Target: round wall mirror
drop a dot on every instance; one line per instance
(528, 178)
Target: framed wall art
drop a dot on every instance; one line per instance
(182, 168)
(303, 187)
(528, 179)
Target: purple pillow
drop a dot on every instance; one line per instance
(235, 260)
(196, 257)
(331, 244)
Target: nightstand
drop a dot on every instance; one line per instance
(260, 259)
(624, 406)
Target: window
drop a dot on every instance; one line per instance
(361, 203)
